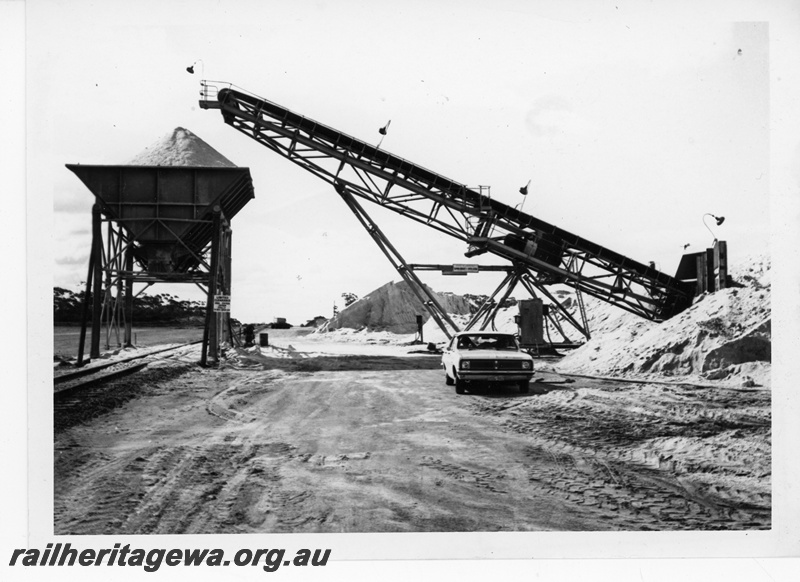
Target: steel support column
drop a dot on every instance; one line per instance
(97, 295)
(85, 308)
(428, 300)
(486, 307)
(129, 295)
(210, 339)
(227, 334)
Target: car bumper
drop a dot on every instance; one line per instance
(490, 376)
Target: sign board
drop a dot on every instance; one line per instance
(222, 303)
(462, 268)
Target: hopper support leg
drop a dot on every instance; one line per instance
(85, 309)
(129, 295)
(97, 295)
(227, 335)
(218, 282)
(210, 338)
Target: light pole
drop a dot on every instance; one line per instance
(718, 219)
(190, 68)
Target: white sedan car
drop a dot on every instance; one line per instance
(486, 357)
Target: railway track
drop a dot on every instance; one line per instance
(99, 374)
(85, 394)
(91, 374)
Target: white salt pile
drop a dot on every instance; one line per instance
(393, 308)
(723, 335)
(181, 147)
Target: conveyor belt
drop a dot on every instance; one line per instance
(486, 225)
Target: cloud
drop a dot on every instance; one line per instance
(553, 115)
(73, 205)
(73, 260)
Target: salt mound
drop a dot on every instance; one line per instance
(181, 148)
(723, 335)
(394, 308)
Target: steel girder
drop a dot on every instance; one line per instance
(420, 290)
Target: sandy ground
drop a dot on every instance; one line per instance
(300, 438)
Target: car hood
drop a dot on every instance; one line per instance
(492, 355)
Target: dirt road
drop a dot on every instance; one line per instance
(362, 444)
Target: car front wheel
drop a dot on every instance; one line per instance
(448, 380)
(461, 386)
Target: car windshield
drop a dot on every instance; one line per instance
(487, 342)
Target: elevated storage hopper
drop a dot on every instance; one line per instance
(164, 200)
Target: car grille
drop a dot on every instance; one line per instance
(495, 365)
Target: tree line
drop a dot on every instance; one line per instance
(161, 308)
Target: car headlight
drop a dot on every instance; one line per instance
(465, 364)
(526, 365)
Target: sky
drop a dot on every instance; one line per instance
(631, 120)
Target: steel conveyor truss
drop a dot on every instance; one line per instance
(545, 254)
